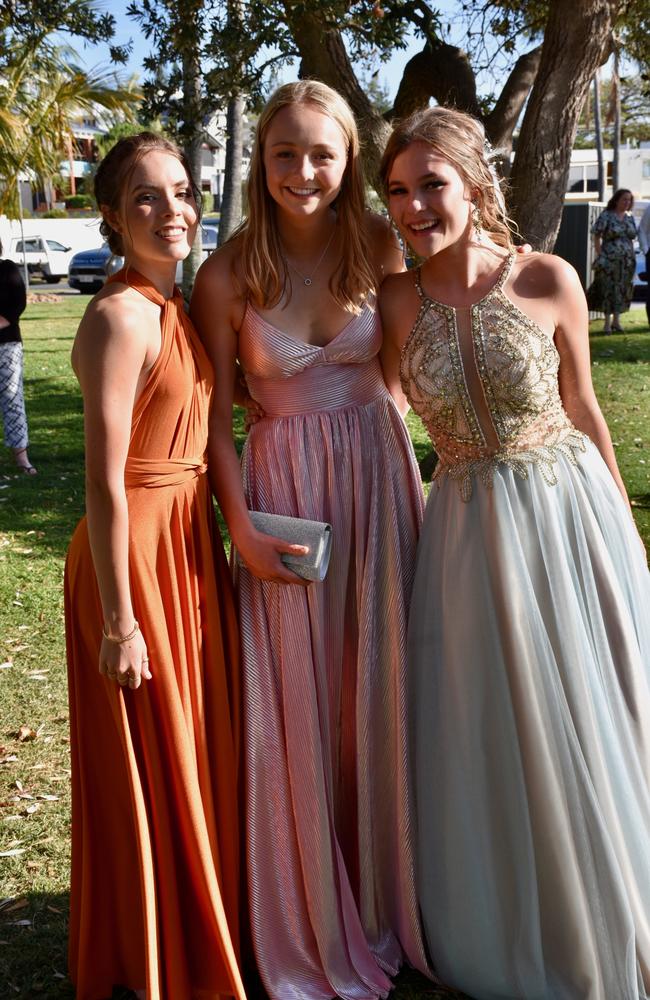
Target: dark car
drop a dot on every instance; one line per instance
(89, 269)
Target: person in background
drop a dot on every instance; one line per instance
(644, 242)
(614, 233)
(13, 298)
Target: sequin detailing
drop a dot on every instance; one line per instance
(517, 365)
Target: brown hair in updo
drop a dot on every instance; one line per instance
(459, 138)
(115, 170)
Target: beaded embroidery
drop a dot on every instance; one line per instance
(517, 365)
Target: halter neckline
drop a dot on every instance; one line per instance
(502, 277)
(128, 275)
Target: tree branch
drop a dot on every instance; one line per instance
(324, 57)
(500, 123)
(442, 72)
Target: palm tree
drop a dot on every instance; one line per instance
(43, 91)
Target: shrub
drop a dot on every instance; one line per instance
(79, 201)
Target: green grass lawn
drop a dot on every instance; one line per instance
(37, 516)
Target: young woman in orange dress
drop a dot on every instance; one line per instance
(153, 692)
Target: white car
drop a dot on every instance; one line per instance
(49, 258)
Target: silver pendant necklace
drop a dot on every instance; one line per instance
(308, 279)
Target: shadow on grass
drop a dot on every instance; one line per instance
(33, 948)
(52, 501)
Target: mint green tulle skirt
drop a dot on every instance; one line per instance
(529, 693)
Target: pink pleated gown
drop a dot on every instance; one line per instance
(328, 804)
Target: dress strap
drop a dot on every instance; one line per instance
(417, 277)
(505, 271)
(128, 275)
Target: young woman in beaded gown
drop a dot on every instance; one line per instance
(329, 840)
(529, 634)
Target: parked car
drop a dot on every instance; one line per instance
(49, 258)
(640, 293)
(89, 269)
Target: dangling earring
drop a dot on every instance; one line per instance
(477, 222)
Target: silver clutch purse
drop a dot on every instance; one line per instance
(316, 535)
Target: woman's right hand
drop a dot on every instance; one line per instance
(254, 412)
(261, 556)
(125, 662)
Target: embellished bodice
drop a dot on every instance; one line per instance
(484, 380)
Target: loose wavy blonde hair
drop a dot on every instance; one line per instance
(262, 261)
(459, 138)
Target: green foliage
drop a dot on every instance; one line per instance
(31, 21)
(44, 91)
(635, 111)
(122, 129)
(55, 213)
(79, 201)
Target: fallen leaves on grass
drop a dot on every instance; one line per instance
(25, 734)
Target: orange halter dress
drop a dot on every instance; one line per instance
(155, 881)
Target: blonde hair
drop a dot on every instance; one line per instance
(459, 138)
(262, 261)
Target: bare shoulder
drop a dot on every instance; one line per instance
(376, 226)
(399, 304)
(400, 288)
(221, 274)
(118, 313)
(543, 275)
(385, 249)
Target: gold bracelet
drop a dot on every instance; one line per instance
(119, 639)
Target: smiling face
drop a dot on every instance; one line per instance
(157, 218)
(305, 158)
(428, 200)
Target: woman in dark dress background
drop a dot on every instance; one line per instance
(13, 298)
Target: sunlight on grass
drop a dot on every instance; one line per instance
(37, 516)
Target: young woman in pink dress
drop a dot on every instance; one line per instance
(291, 297)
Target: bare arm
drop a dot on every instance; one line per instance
(217, 312)
(398, 306)
(110, 355)
(576, 387)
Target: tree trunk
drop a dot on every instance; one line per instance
(616, 138)
(598, 129)
(231, 204)
(19, 192)
(324, 57)
(193, 147)
(573, 49)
